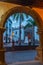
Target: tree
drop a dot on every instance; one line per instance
(19, 17)
(33, 24)
(22, 17)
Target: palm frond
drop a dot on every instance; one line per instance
(14, 16)
(33, 22)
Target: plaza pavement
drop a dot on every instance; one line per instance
(21, 58)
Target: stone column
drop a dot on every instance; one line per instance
(40, 48)
(2, 50)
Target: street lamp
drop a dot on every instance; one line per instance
(12, 39)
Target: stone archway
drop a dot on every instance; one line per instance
(23, 9)
(35, 15)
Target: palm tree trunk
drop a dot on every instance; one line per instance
(20, 31)
(6, 32)
(33, 36)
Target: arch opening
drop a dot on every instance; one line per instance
(21, 31)
(19, 26)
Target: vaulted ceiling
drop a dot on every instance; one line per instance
(35, 3)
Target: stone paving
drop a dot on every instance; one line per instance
(20, 56)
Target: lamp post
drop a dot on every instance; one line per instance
(13, 40)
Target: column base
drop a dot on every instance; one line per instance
(2, 57)
(39, 54)
(1, 63)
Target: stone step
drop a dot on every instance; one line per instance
(27, 63)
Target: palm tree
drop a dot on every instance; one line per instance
(21, 17)
(8, 28)
(6, 32)
(33, 25)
